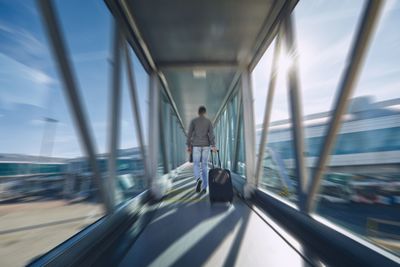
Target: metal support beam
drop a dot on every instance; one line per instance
(249, 132)
(296, 112)
(231, 117)
(135, 107)
(154, 130)
(163, 135)
(114, 115)
(268, 109)
(71, 91)
(239, 120)
(138, 36)
(175, 150)
(347, 85)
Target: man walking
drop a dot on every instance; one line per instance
(199, 139)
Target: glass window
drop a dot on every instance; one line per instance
(47, 190)
(241, 157)
(278, 166)
(260, 77)
(360, 188)
(130, 179)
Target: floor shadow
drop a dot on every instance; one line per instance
(231, 258)
(187, 229)
(200, 253)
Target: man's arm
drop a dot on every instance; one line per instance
(190, 133)
(211, 136)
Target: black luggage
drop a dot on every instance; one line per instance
(191, 155)
(219, 183)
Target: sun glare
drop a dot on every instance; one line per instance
(285, 62)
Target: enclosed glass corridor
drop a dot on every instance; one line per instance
(97, 98)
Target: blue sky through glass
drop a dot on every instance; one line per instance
(324, 33)
(30, 89)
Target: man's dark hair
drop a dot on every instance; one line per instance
(202, 110)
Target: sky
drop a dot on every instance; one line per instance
(324, 32)
(30, 88)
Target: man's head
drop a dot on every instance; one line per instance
(202, 110)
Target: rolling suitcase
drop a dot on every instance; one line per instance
(219, 183)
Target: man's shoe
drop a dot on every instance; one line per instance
(204, 191)
(198, 186)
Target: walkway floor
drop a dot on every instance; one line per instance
(187, 231)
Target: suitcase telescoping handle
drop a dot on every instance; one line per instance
(212, 159)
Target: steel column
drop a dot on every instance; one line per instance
(114, 116)
(296, 112)
(163, 135)
(249, 132)
(237, 131)
(154, 94)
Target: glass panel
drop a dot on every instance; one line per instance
(87, 28)
(330, 33)
(361, 188)
(142, 91)
(161, 167)
(130, 179)
(278, 168)
(47, 191)
(232, 130)
(260, 76)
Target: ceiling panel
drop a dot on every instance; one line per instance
(195, 34)
(190, 92)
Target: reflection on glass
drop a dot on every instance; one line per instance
(359, 190)
(278, 167)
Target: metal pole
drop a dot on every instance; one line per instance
(162, 135)
(114, 117)
(71, 90)
(296, 112)
(347, 85)
(135, 106)
(175, 150)
(153, 133)
(268, 108)
(237, 131)
(249, 136)
(230, 133)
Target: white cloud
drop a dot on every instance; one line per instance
(21, 40)
(38, 76)
(22, 84)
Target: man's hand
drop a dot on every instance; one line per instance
(189, 149)
(214, 149)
